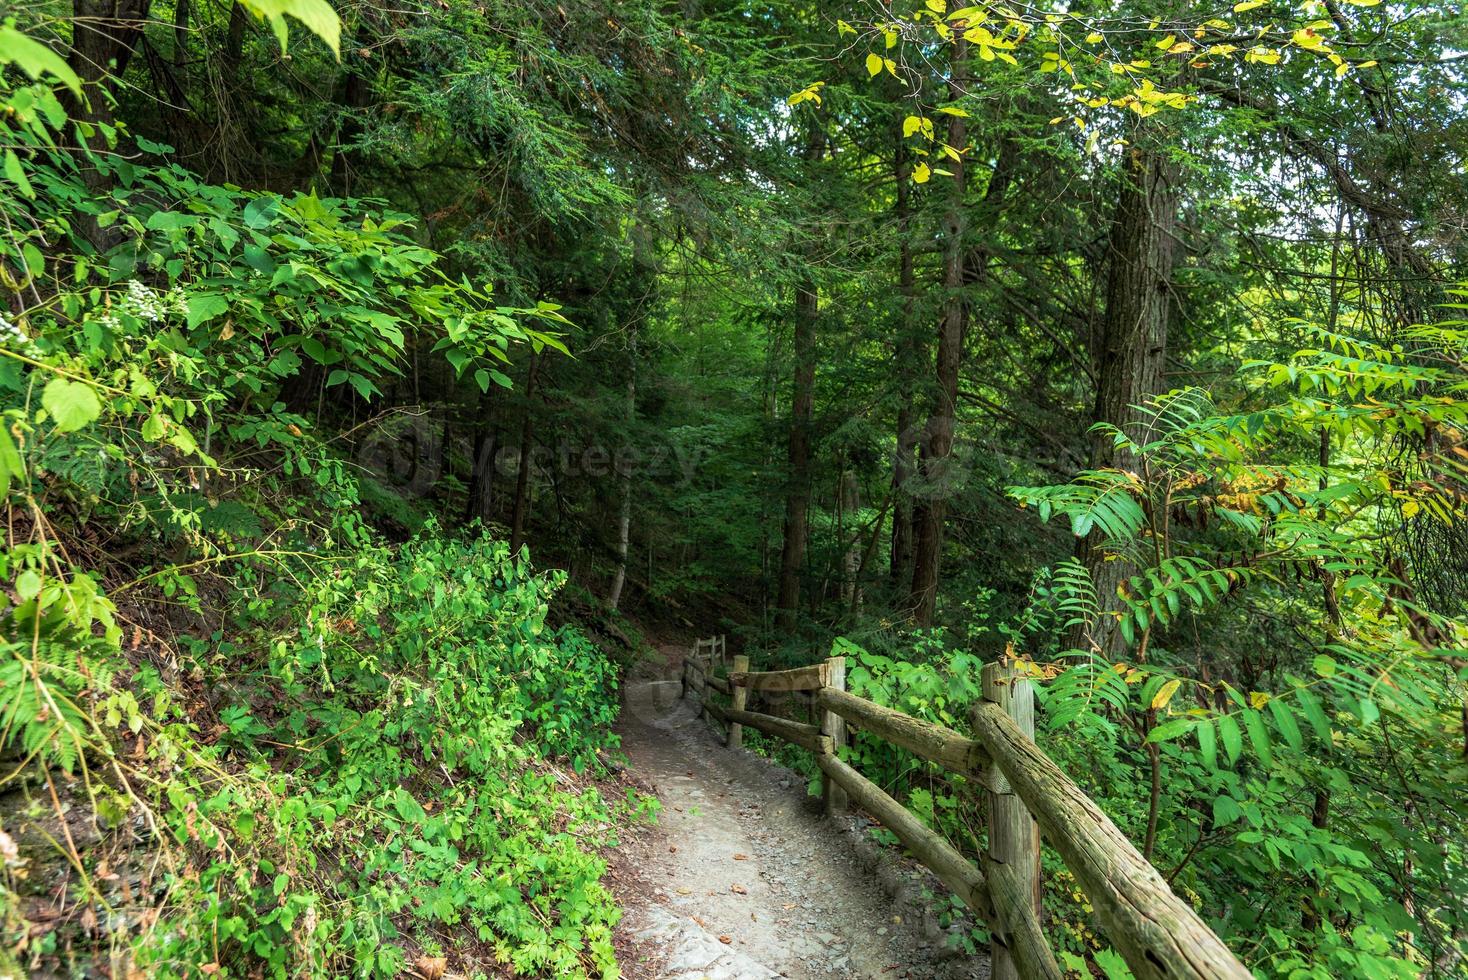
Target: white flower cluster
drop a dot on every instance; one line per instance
(148, 304)
(12, 336)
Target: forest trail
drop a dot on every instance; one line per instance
(743, 878)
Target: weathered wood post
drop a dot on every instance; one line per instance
(1012, 864)
(738, 697)
(834, 726)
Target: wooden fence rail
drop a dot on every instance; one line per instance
(1026, 796)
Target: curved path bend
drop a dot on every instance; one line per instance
(743, 878)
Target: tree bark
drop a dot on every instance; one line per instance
(520, 515)
(624, 518)
(929, 508)
(1131, 351)
(480, 499)
(908, 352)
(104, 36)
(797, 493)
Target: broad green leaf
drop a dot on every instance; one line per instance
(203, 307)
(1207, 745)
(1288, 727)
(1228, 732)
(11, 464)
(315, 15)
(1258, 735)
(35, 59)
(15, 173)
(71, 404)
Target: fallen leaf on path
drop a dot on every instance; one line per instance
(741, 857)
(739, 889)
(432, 967)
(672, 848)
(726, 940)
(685, 891)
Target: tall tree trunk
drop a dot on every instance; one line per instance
(104, 36)
(1131, 351)
(929, 508)
(908, 350)
(797, 492)
(851, 560)
(624, 519)
(480, 499)
(520, 515)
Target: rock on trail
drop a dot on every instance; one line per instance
(743, 878)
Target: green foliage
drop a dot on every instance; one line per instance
(391, 765)
(1219, 512)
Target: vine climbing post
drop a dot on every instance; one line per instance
(1012, 863)
(834, 726)
(738, 697)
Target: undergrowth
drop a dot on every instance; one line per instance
(393, 771)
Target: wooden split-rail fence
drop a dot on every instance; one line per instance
(1027, 796)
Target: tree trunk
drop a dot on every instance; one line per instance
(104, 37)
(624, 519)
(797, 493)
(520, 515)
(908, 352)
(1131, 351)
(928, 510)
(480, 500)
(851, 560)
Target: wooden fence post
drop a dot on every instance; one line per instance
(834, 726)
(738, 697)
(1012, 864)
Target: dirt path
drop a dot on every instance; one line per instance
(743, 877)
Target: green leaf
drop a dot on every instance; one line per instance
(1171, 729)
(1233, 741)
(11, 465)
(15, 173)
(1288, 727)
(1225, 811)
(203, 307)
(1258, 735)
(35, 59)
(1315, 714)
(315, 15)
(1208, 745)
(71, 404)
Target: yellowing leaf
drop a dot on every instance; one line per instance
(921, 173)
(874, 64)
(1164, 694)
(1093, 38)
(911, 125)
(1258, 699)
(1247, 5)
(1167, 42)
